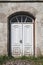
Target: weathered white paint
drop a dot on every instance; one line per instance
(22, 39)
(16, 36)
(28, 39)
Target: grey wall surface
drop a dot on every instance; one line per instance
(21, 0)
(7, 9)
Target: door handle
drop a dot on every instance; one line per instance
(20, 41)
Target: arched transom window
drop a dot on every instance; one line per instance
(21, 17)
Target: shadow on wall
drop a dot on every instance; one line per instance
(39, 53)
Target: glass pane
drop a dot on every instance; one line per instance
(24, 17)
(14, 19)
(21, 18)
(29, 19)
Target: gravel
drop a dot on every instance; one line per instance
(17, 62)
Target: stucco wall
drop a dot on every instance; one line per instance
(21, 0)
(7, 9)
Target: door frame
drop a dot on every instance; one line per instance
(9, 34)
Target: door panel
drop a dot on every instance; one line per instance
(16, 36)
(28, 39)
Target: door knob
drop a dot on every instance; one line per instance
(20, 41)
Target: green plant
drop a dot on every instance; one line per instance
(38, 60)
(5, 58)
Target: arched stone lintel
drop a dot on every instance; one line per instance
(28, 9)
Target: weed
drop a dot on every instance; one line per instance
(37, 60)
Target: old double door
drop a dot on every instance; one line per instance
(21, 39)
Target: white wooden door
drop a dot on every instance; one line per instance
(16, 39)
(27, 39)
(21, 39)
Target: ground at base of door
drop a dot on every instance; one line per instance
(22, 62)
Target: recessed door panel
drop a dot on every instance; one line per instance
(16, 36)
(28, 39)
